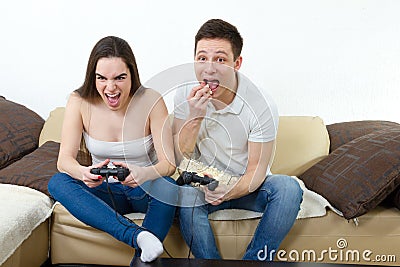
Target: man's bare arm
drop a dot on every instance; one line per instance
(185, 135)
(260, 155)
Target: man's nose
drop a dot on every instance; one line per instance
(210, 67)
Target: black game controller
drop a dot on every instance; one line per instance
(120, 172)
(188, 177)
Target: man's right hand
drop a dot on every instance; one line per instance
(198, 99)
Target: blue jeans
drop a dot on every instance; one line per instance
(94, 206)
(278, 198)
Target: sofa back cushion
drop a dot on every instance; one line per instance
(301, 142)
(52, 129)
(19, 131)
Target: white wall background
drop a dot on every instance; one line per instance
(337, 59)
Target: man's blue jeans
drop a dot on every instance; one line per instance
(279, 198)
(94, 206)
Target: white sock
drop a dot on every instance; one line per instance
(150, 245)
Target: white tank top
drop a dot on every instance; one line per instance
(139, 152)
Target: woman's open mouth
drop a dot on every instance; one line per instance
(113, 99)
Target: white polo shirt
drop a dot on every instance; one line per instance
(224, 134)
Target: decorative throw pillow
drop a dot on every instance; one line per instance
(19, 131)
(344, 132)
(357, 176)
(36, 169)
(396, 198)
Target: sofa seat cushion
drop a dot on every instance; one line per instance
(378, 231)
(22, 209)
(19, 131)
(73, 241)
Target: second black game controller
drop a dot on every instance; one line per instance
(189, 177)
(120, 172)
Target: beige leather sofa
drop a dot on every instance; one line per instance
(302, 141)
(33, 251)
(24, 212)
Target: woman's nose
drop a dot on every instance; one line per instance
(111, 84)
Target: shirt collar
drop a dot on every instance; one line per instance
(237, 104)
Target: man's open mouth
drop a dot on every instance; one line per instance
(213, 84)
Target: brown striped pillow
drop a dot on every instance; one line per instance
(36, 169)
(19, 131)
(344, 132)
(358, 175)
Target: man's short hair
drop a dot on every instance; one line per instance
(219, 29)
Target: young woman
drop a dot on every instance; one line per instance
(124, 125)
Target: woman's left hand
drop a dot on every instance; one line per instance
(131, 180)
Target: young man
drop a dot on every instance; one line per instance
(226, 122)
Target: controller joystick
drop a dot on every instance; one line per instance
(188, 177)
(120, 172)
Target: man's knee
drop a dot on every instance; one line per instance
(286, 185)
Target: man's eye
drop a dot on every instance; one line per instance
(201, 59)
(220, 60)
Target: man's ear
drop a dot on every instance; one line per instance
(238, 63)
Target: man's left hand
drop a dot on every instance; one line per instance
(217, 196)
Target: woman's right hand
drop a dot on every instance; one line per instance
(93, 180)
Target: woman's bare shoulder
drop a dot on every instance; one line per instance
(74, 97)
(76, 102)
(149, 93)
(148, 97)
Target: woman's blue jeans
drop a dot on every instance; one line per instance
(94, 206)
(279, 198)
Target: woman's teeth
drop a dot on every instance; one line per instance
(113, 99)
(112, 95)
